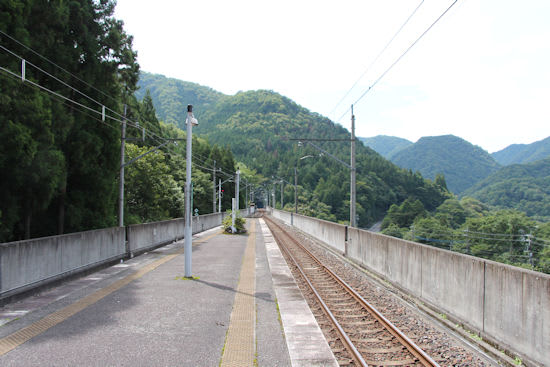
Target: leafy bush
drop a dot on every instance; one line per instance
(239, 222)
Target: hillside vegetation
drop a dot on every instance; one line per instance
(525, 187)
(523, 153)
(387, 146)
(462, 163)
(258, 126)
(58, 164)
(171, 97)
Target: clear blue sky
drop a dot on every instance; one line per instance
(482, 73)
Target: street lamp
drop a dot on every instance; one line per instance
(188, 233)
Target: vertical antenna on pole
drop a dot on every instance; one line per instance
(103, 113)
(23, 70)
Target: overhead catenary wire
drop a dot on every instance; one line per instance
(378, 56)
(85, 109)
(121, 117)
(387, 70)
(57, 66)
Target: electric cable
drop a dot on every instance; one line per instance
(378, 56)
(399, 58)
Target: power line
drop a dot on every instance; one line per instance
(59, 67)
(66, 101)
(399, 58)
(378, 56)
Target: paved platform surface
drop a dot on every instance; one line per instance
(145, 313)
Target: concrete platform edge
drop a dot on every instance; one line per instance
(306, 343)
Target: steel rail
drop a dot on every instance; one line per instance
(415, 350)
(343, 335)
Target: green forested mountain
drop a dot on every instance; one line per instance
(525, 187)
(523, 153)
(258, 126)
(387, 146)
(171, 97)
(462, 163)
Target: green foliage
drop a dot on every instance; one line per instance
(151, 192)
(523, 153)
(451, 213)
(171, 97)
(393, 230)
(386, 146)
(524, 187)
(469, 227)
(462, 163)
(58, 164)
(404, 215)
(239, 222)
(258, 126)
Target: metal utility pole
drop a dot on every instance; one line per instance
(352, 214)
(214, 188)
(237, 191)
(121, 178)
(220, 196)
(188, 233)
(282, 186)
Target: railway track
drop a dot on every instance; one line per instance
(358, 334)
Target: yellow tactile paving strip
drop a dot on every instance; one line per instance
(240, 342)
(21, 336)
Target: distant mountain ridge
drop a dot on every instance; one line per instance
(525, 187)
(523, 153)
(462, 163)
(171, 97)
(259, 127)
(386, 145)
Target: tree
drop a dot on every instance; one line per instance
(67, 162)
(405, 214)
(151, 192)
(440, 181)
(451, 213)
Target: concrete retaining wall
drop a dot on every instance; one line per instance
(504, 304)
(330, 233)
(142, 237)
(31, 263)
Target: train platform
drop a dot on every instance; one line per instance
(242, 308)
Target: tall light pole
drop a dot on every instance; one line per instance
(237, 191)
(220, 196)
(214, 188)
(353, 199)
(282, 188)
(121, 179)
(188, 233)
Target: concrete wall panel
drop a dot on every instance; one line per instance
(506, 304)
(330, 233)
(517, 309)
(454, 283)
(31, 263)
(25, 264)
